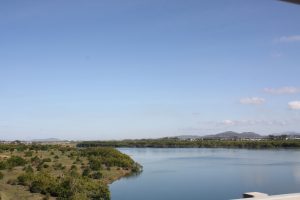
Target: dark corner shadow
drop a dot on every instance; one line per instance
(292, 1)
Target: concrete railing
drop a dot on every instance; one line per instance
(263, 196)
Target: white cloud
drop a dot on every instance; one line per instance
(294, 105)
(252, 100)
(283, 90)
(290, 38)
(228, 122)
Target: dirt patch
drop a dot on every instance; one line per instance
(4, 157)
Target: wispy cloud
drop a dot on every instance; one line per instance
(283, 90)
(290, 38)
(228, 122)
(294, 105)
(252, 100)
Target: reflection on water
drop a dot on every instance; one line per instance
(208, 174)
(296, 173)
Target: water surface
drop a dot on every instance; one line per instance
(208, 174)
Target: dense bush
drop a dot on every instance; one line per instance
(12, 162)
(64, 188)
(108, 157)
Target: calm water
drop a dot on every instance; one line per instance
(208, 174)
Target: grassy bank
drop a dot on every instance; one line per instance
(40, 172)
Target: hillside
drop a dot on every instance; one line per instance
(231, 134)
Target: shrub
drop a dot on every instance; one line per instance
(96, 175)
(15, 161)
(25, 179)
(73, 167)
(95, 164)
(28, 169)
(74, 173)
(86, 172)
(47, 160)
(28, 154)
(39, 167)
(36, 187)
(58, 166)
(3, 165)
(35, 160)
(46, 166)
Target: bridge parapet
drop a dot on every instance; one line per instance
(263, 196)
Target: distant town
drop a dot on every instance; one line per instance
(231, 135)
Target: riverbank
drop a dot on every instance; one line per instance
(38, 172)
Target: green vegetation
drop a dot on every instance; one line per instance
(60, 172)
(201, 143)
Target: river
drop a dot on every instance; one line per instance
(208, 174)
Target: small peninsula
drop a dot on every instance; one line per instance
(63, 172)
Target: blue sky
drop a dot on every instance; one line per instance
(114, 69)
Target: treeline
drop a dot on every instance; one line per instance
(176, 143)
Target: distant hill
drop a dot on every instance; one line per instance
(223, 135)
(250, 135)
(47, 140)
(231, 134)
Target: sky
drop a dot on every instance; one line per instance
(116, 69)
